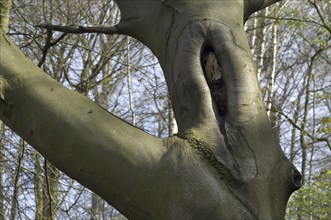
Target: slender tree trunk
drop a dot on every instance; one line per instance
(294, 141)
(262, 51)
(14, 198)
(312, 148)
(303, 144)
(128, 77)
(38, 186)
(2, 171)
(172, 127)
(271, 75)
(51, 191)
(254, 36)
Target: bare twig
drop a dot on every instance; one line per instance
(48, 45)
(80, 29)
(314, 138)
(320, 14)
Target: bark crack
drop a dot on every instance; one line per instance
(243, 157)
(173, 16)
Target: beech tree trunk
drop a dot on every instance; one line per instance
(224, 162)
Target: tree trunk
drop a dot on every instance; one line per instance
(225, 152)
(264, 34)
(51, 191)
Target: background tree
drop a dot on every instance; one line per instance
(301, 89)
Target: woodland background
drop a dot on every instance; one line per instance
(291, 44)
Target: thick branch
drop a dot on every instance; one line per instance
(102, 152)
(80, 29)
(252, 6)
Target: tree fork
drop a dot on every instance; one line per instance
(239, 138)
(231, 161)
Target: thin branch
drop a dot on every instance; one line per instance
(80, 29)
(49, 44)
(314, 138)
(75, 202)
(46, 47)
(325, 25)
(65, 195)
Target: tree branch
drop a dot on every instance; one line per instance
(314, 138)
(48, 45)
(104, 153)
(80, 29)
(325, 24)
(252, 6)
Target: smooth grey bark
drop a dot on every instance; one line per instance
(224, 163)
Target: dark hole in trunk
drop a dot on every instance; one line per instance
(213, 74)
